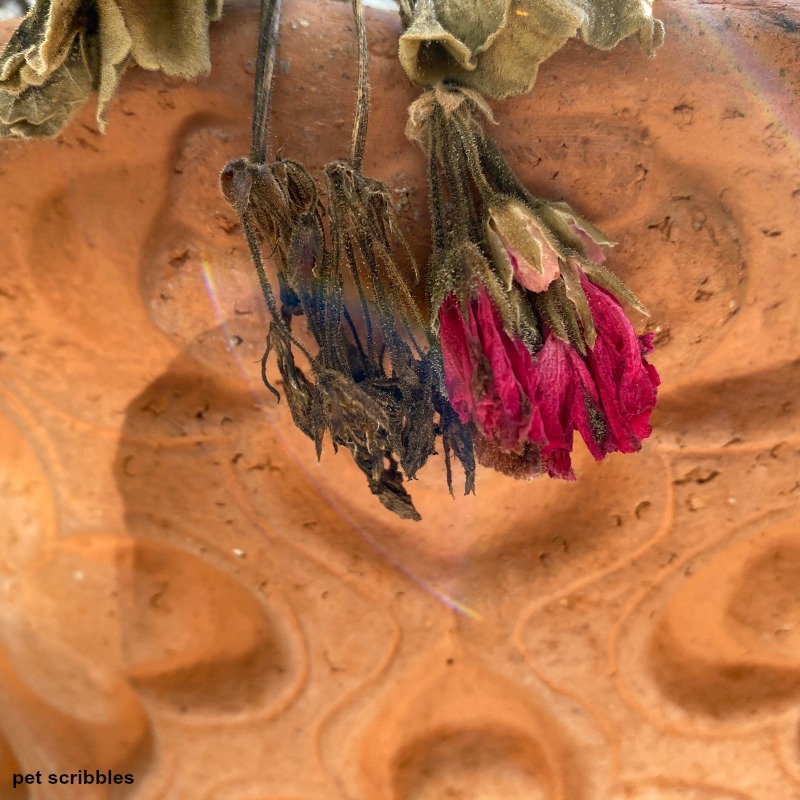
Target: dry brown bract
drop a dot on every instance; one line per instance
(496, 46)
(62, 51)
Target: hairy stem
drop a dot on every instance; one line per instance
(406, 12)
(362, 101)
(265, 67)
(266, 288)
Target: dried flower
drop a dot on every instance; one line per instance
(626, 383)
(368, 381)
(523, 409)
(489, 375)
(535, 343)
(607, 396)
(521, 246)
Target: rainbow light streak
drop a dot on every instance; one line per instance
(757, 78)
(273, 418)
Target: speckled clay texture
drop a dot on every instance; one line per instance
(188, 596)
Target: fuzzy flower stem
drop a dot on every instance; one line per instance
(265, 68)
(362, 101)
(472, 154)
(266, 288)
(455, 173)
(492, 160)
(435, 194)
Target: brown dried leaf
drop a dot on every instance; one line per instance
(170, 35)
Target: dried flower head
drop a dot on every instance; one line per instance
(535, 343)
(367, 381)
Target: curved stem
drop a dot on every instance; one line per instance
(265, 67)
(406, 12)
(266, 288)
(362, 101)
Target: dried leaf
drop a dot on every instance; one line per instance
(496, 46)
(170, 35)
(44, 110)
(62, 51)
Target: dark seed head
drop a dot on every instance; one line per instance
(236, 181)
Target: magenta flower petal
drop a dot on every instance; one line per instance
(504, 411)
(554, 398)
(489, 375)
(626, 383)
(460, 347)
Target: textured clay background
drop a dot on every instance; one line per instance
(188, 596)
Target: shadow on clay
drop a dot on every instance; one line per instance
(197, 638)
(734, 410)
(726, 643)
(493, 761)
(9, 765)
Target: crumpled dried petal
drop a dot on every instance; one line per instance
(62, 51)
(496, 46)
(626, 383)
(489, 376)
(607, 395)
(567, 400)
(591, 238)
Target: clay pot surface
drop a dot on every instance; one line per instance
(189, 597)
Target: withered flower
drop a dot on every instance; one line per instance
(489, 375)
(520, 245)
(535, 343)
(367, 382)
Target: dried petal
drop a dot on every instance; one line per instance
(591, 238)
(489, 375)
(626, 383)
(520, 246)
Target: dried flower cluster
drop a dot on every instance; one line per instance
(535, 343)
(526, 339)
(368, 381)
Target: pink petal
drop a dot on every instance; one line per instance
(554, 401)
(593, 250)
(527, 274)
(458, 347)
(626, 383)
(506, 413)
(488, 375)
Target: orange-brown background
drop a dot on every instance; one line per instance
(186, 595)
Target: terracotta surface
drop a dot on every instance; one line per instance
(187, 596)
